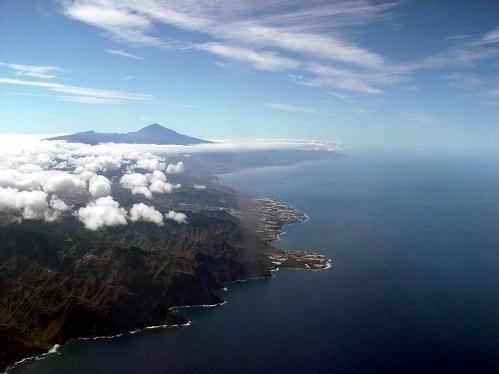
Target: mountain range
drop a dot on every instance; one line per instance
(152, 134)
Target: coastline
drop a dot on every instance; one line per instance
(276, 237)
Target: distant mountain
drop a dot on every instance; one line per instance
(152, 134)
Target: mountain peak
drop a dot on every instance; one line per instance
(156, 128)
(154, 125)
(152, 134)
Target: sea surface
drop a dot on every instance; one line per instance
(412, 288)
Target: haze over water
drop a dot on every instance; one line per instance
(412, 239)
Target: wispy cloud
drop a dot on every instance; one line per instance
(175, 104)
(34, 71)
(313, 38)
(493, 93)
(84, 95)
(120, 53)
(295, 108)
(338, 95)
(117, 21)
(343, 79)
(292, 30)
(257, 34)
(489, 97)
(87, 95)
(464, 52)
(464, 80)
(259, 59)
(420, 117)
(128, 77)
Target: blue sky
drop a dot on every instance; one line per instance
(403, 74)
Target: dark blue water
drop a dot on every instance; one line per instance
(413, 241)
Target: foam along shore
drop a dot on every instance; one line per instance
(276, 214)
(284, 258)
(56, 347)
(53, 350)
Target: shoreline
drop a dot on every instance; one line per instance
(56, 348)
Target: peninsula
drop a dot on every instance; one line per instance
(60, 281)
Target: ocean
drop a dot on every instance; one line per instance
(412, 288)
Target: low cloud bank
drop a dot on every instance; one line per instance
(31, 204)
(44, 179)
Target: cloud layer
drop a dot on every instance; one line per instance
(316, 43)
(46, 179)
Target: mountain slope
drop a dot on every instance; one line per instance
(152, 134)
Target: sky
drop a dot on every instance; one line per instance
(394, 74)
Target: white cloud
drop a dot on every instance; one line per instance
(163, 187)
(423, 118)
(61, 182)
(120, 53)
(465, 52)
(51, 181)
(58, 205)
(199, 187)
(254, 33)
(133, 180)
(99, 186)
(175, 168)
(464, 80)
(493, 93)
(34, 71)
(142, 191)
(146, 184)
(156, 175)
(8, 197)
(118, 22)
(295, 108)
(150, 164)
(84, 95)
(262, 60)
(159, 183)
(348, 80)
(298, 31)
(102, 212)
(34, 173)
(97, 163)
(339, 95)
(491, 37)
(176, 216)
(31, 204)
(280, 35)
(137, 183)
(311, 44)
(142, 212)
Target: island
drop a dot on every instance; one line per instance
(60, 281)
